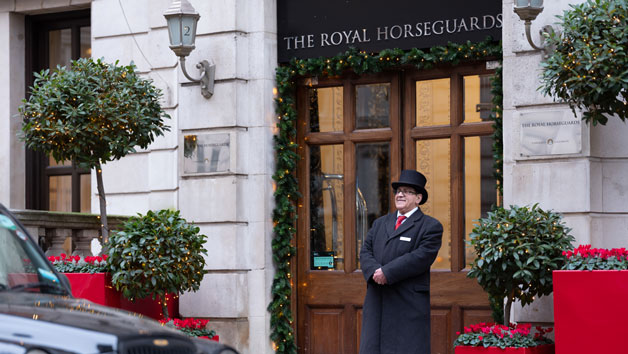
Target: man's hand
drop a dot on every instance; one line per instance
(379, 277)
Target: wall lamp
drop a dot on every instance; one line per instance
(182, 19)
(527, 11)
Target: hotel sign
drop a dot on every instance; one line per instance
(308, 28)
(550, 133)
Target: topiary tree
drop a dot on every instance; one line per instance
(92, 113)
(156, 254)
(588, 68)
(517, 250)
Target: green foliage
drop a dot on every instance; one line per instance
(91, 113)
(287, 189)
(497, 308)
(498, 133)
(155, 254)
(517, 250)
(589, 68)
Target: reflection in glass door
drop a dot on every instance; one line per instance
(348, 134)
(372, 183)
(326, 206)
(448, 136)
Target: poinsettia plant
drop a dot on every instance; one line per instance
(78, 264)
(586, 258)
(496, 335)
(192, 327)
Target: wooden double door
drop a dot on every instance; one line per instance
(356, 134)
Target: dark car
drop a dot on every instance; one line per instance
(39, 315)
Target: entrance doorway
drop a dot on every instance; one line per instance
(356, 135)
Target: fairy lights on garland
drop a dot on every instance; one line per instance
(498, 132)
(286, 184)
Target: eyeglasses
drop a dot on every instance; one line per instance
(405, 192)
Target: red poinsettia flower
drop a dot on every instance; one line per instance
(495, 335)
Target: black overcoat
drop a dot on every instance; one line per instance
(396, 316)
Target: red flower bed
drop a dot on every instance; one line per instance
(586, 258)
(487, 335)
(192, 327)
(540, 349)
(78, 264)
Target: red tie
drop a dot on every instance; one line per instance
(400, 219)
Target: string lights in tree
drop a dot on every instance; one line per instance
(587, 69)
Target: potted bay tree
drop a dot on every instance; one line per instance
(90, 113)
(517, 249)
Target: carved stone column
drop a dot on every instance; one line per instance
(82, 241)
(58, 237)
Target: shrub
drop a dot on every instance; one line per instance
(156, 254)
(517, 250)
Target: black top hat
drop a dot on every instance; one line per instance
(415, 180)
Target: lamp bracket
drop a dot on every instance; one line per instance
(206, 79)
(544, 32)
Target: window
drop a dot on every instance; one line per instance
(54, 40)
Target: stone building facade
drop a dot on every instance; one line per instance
(586, 185)
(232, 203)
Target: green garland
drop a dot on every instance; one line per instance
(286, 193)
(498, 133)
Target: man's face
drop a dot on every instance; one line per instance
(406, 199)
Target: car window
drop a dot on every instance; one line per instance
(22, 267)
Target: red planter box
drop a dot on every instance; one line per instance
(540, 349)
(590, 311)
(97, 288)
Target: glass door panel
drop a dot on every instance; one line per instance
(326, 109)
(86, 41)
(372, 106)
(59, 47)
(432, 102)
(433, 159)
(326, 207)
(480, 185)
(60, 197)
(477, 98)
(372, 183)
(86, 193)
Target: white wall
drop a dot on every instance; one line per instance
(588, 188)
(12, 46)
(232, 208)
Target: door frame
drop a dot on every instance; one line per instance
(403, 151)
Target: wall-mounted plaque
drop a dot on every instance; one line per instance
(550, 133)
(206, 153)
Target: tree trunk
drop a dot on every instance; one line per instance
(507, 308)
(103, 207)
(164, 306)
